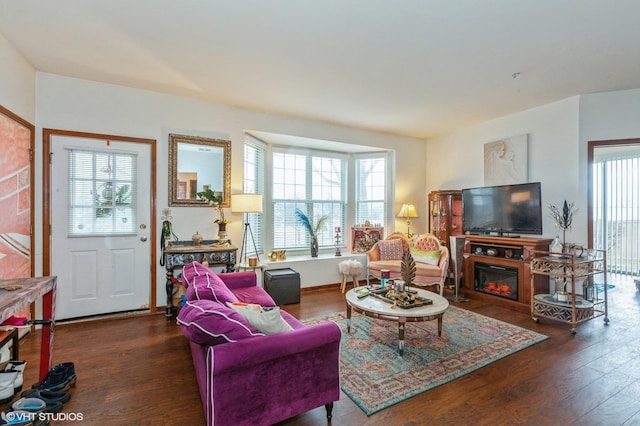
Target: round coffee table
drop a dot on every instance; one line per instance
(377, 308)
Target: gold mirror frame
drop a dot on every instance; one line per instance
(223, 163)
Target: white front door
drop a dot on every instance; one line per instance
(100, 234)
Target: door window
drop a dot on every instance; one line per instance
(102, 193)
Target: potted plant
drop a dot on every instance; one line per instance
(562, 220)
(312, 229)
(215, 200)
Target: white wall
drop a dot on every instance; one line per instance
(80, 105)
(455, 161)
(17, 82)
(607, 116)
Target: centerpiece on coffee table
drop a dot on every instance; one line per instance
(401, 299)
(402, 295)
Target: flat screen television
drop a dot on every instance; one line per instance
(510, 209)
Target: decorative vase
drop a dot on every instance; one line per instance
(222, 232)
(556, 246)
(197, 239)
(314, 246)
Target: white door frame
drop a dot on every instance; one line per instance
(46, 200)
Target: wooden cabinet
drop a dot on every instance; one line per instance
(445, 217)
(509, 258)
(445, 214)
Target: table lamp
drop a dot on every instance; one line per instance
(408, 211)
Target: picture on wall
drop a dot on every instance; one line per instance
(364, 237)
(16, 144)
(505, 161)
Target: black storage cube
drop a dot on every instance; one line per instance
(283, 285)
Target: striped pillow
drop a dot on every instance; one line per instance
(203, 283)
(209, 323)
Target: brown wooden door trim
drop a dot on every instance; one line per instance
(46, 198)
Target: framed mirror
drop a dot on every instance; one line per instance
(195, 165)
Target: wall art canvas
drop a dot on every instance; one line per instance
(364, 237)
(15, 196)
(505, 161)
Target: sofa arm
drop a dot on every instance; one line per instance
(234, 280)
(443, 263)
(268, 379)
(373, 254)
(253, 352)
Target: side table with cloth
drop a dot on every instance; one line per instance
(31, 289)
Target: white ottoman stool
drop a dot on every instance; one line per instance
(350, 268)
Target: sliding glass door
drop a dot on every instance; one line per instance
(614, 216)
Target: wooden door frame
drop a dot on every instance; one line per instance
(591, 146)
(32, 176)
(46, 198)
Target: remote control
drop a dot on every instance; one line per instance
(362, 296)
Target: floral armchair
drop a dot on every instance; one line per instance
(431, 258)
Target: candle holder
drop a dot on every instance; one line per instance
(338, 243)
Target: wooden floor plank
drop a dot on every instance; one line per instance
(138, 370)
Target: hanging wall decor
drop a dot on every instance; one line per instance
(505, 161)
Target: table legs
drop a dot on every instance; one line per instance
(169, 289)
(401, 327)
(46, 340)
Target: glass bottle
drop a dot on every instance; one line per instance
(556, 245)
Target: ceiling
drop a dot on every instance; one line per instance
(413, 67)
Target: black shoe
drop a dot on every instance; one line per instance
(48, 397)
(59, 378)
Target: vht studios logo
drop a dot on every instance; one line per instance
(25, 416)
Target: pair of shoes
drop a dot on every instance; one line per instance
(5, 355)
(7, 385)
(28, 411)
(54, 400)
(35, 405)
(11, 379)
(17, 366)
(23, 412)
(59, 378)
(19, 418)
(48, 397)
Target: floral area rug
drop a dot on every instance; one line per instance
(375, 376)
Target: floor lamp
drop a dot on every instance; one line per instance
(246, 203)
(408, 211)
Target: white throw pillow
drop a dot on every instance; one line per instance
(267, 320)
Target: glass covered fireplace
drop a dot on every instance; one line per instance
(500, 281)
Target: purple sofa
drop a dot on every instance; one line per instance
(247, 377)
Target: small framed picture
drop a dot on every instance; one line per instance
(364, 237)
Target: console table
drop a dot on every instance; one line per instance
(28, 291)
(209, 253)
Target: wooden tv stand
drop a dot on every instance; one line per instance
(505, 252)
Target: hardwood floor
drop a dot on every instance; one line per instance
(137, 370)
